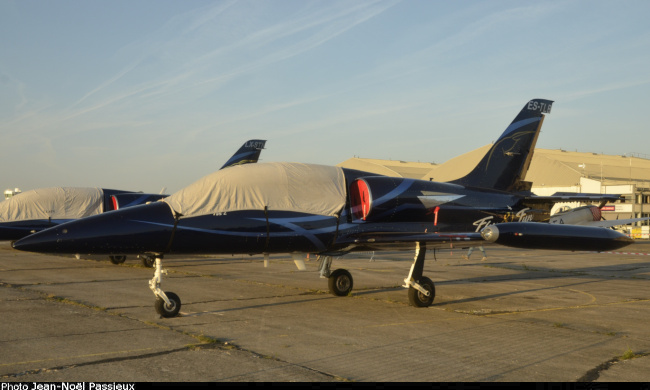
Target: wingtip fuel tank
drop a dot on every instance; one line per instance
(533, 235)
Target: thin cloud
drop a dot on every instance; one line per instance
(150, 45)
(194, 74)
(576, 95)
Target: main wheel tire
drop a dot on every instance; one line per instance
(165, 310)
(147, 261)
(340, 282)
(417, 299)
(117, 259)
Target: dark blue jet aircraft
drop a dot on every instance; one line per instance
(330, 211)
(39, 209)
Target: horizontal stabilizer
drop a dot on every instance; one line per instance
(616, 222)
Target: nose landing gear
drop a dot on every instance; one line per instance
(167, 304)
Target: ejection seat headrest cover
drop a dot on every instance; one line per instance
(54, 203)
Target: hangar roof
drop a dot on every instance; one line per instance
(550, 167)
(559, 167)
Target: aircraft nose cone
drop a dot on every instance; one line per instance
(134, 230)
(44, 241)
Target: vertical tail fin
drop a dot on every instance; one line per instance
(506, 163)
(248, 153)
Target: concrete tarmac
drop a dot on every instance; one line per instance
(518, 316)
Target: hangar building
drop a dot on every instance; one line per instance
(551, 171)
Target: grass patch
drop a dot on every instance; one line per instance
(627, 355)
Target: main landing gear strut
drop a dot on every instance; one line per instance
(421, 290)
(340, 281)
(167, 303)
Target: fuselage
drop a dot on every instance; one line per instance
(394, 205)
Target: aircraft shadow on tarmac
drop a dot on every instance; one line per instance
(369, 292)
(534, 272)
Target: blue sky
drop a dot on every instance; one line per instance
(140, 95)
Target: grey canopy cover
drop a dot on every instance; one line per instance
(306, 188)
(54, 203)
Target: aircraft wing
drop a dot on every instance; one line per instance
(572, 197)
(397, 240)
(615, 222)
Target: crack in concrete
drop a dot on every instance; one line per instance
(593, 374)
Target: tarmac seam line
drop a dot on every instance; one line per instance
(101, 361)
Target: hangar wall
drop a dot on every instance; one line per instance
(551, 171)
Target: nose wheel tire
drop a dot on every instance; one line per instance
(417, 298)
(340, 282)
(147, 261)
(165, 310)
(117, 259)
